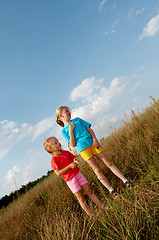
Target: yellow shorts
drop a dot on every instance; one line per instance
(90, 152)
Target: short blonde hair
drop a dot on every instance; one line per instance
(58, 113)
(47, 145)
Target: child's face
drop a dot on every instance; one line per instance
(66, 114)
(55, 144)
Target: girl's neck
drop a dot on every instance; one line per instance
(67, 122)
(57, 153)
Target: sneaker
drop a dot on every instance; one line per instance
(129, 185)
(114, 194)
(106, 207)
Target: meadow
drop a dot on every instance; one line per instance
(50, 211)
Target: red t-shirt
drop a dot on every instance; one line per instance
(63, 160)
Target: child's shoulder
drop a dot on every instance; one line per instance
(75, 119)
(59, 155)
(66, 153)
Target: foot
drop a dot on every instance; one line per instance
(114, 194)
(129, 185)
(106, 207)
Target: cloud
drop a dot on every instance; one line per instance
(151, 29)
(42, 127)
(131, 13)
(140, 11)
(114, 6)
(10, 176)
(16, 177)
(99, 105)
(11, 135)
(115, 23)
(112, 28)
(101, 5)
(139, 68)
(3, 152)
(85, 89)
(26, 174)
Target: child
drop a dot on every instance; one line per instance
(64, 163)
(78, 132)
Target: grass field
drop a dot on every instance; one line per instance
(50, 211)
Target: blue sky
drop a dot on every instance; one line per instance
(100, 58)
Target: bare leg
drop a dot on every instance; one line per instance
(86, 188)
(82, 202)
(111, 166)
(92, 162)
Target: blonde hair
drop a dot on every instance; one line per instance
(47, 145)
(58, 113)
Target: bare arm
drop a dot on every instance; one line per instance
(64, 170)
(95, 141)
(72, 138)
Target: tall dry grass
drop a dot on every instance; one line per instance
(49, 210)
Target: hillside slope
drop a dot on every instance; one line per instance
(50, 211)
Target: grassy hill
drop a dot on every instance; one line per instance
(50, 211)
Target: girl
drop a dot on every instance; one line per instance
(78, 132)
(64, 163)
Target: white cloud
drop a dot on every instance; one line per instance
(85, 89)
(101, 5)
(106, 33)
(140, 11)
(139, 68)
(131, 13)
(114, 6)
(11, 135)
(26, 174)
(42, 127)
(112, 28)
(100, 104)
(10, 176)
(115, 23)
(3, 152)
(16, 177)
(151, 29)
(113, 119)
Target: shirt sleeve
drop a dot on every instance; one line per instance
(85, 123)
(54, 165)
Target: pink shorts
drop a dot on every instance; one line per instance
(76, 182)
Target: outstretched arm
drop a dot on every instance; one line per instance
(95, 141)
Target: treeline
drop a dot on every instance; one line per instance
(4, 201)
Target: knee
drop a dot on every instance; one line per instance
(97, 171)
(79, 195)
(89, 192)
(109, 164)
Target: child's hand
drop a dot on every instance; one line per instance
(73, 165)
(76, 161)
(72, 126)
(96, 143)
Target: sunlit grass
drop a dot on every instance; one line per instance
(50, 211)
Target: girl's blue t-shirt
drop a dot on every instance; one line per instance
(83, 138)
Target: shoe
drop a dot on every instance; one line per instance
(129, 185)
(106, 207)
(114, 194)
